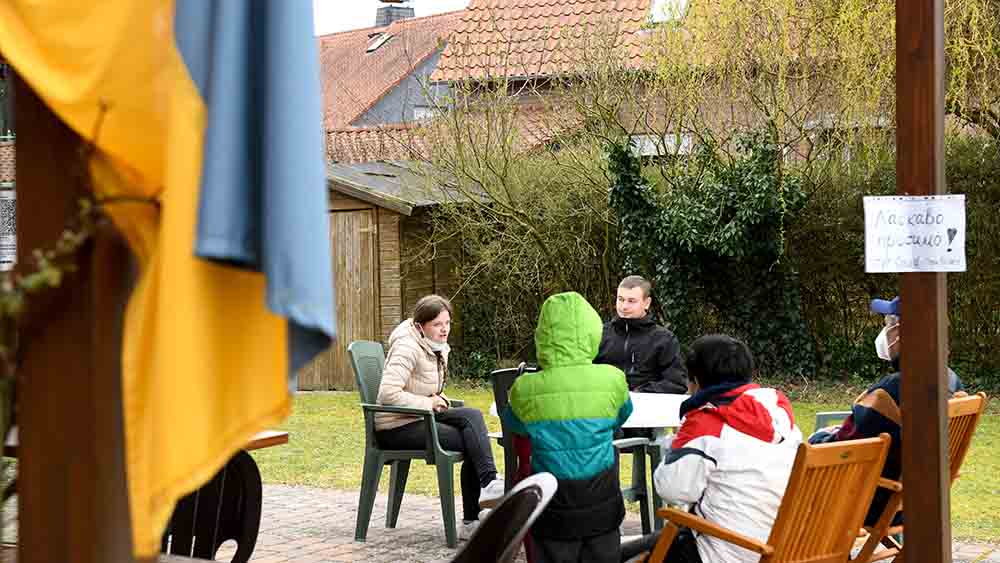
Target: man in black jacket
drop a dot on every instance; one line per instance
(649, 354)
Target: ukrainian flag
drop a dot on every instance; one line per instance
(207, 115)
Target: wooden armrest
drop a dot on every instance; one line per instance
(890, 484)
(698, 523)
(394, 409)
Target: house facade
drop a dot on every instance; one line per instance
(376, 95)
(382, 87)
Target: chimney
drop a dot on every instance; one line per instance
(392, 11)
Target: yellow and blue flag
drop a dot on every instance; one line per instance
(212, 111)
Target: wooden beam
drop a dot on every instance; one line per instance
(72, 497)
(357, 191)
(924, 350)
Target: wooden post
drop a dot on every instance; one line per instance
(71, 475)
(924, 350)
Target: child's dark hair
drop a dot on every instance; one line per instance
(719, 358)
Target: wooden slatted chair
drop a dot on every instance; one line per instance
(829, 490)
(963, 418)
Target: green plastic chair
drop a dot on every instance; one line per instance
(640, 489)
(367, 359)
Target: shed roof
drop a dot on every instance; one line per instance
(396, 185)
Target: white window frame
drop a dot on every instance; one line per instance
(671, 144)
(378, 41)
(424, 113)
(664, 11)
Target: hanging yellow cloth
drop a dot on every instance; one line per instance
(204, 363)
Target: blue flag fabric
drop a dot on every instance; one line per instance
(263, 195)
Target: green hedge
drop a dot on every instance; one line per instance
(826, 245)
(822, 288)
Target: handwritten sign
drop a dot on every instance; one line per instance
(915, 233)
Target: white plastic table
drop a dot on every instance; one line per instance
(656, 411)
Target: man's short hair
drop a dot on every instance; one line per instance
(637, 281)
(719, 358)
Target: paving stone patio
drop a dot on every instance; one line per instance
(310, 525)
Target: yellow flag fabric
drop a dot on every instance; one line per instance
(204, 362)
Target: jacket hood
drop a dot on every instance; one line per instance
(763, 413)
(406, 330)
(568, 331)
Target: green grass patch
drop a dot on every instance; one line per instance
(327, 446)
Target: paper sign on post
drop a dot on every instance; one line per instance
(915, 233)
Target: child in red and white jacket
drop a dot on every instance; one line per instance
(733, 454)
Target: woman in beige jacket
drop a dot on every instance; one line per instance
(416, 369)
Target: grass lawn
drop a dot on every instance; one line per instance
(327, 447)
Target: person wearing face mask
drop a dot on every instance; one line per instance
(416, 369)
(877, 410)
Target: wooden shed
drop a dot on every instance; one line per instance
(379, 229)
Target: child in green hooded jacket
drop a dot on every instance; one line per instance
(570, 410)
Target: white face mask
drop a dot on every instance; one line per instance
(882, 343)
(437, 346)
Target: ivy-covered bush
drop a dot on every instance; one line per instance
(743, 244)
(713, 242)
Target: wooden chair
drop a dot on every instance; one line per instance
(367, 360)
(829, 490)
(963, 418)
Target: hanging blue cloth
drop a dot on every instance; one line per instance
(263, 200)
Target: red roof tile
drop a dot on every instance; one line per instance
(371, 144)
(535, 125)
(528, 38)
(354, 80)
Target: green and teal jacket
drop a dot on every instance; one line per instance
(570, 410)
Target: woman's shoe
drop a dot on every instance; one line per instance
(467, 528)
(490, 495)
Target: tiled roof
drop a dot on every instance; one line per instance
(354, 80)
(371, 144)
(528, 38)
(535, 125)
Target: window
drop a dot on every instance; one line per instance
(830, 138)
(377, 41)
(668, 10)
(423, 113)
(672, 144)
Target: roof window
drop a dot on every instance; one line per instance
(377, 41)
